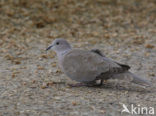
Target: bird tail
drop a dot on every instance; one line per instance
(132, 78)
(139, 80)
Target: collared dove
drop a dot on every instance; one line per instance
(89, 66)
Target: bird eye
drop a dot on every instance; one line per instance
(57, 43)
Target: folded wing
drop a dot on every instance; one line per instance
(85, 66)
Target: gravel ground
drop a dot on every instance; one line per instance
(31, 83)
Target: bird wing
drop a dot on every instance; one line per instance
(122, 68)
(84, 66)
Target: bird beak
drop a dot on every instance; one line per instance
(49, 47)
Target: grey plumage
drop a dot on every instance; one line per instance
(121, 73)
(88, 66)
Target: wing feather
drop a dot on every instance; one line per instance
(81, 65)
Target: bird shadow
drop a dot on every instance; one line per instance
(112, 86)
(130, 88)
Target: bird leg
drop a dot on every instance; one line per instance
(95, 83)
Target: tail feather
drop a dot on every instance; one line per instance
(132, 78)
(140, 81)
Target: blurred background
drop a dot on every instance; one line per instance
(92, 19)
(125, 30)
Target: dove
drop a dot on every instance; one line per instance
(87, 67)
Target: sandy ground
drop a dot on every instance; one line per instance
(31, 83)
